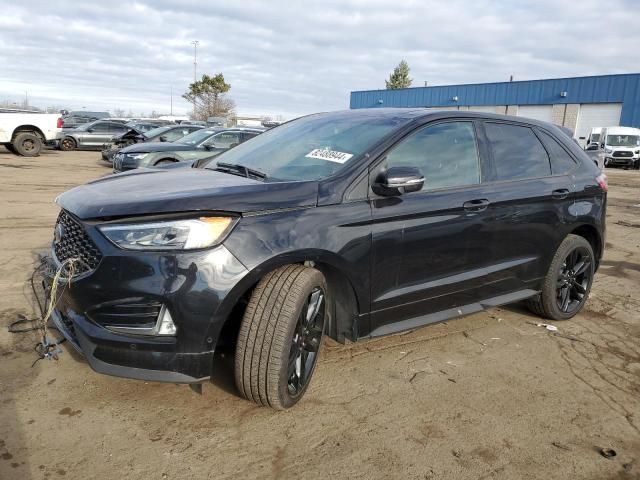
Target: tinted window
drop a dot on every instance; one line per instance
(561, 161)
(100, 127)
(517, 152)
(224, 140)
(118, 128)
(445, 154)
(173, 135)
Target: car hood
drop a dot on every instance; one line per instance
(132, 133)
(151, 147)
(145, 191)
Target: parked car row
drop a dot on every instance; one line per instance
(204, 143)
(136, 134)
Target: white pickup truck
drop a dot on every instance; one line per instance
(26, 133)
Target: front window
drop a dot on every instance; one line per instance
(155, 131)
(623, 140)
(313, 147)
(595, 137)
(197, 137)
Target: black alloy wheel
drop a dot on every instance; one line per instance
(567, 284)
(306, 342)
(574, 279)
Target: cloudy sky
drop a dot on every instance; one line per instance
(296, 57)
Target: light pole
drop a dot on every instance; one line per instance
(195, 67)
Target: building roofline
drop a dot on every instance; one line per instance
(498, 83)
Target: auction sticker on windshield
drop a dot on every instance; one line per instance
(330, 155)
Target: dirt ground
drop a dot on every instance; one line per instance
(486, 396)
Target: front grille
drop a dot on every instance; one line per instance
(73, 242)
(622, 154)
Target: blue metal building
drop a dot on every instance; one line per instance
(579, 103)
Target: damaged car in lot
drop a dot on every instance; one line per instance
(203, 143)
(168, 133)
(352, 225)
(91, 136)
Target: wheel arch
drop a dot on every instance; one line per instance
(592, 235)
(346, 305)
(27, 128)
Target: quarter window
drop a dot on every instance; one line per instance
(517, 152)
(561, 161)
(445, 154)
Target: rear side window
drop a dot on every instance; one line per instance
(517, 152)
(445, 153)
(173, 135)
(561, 161)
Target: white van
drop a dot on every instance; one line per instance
(621, 147)
(593, 138)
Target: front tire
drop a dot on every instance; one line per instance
(280, 336)
(568, 282)
(27, 144)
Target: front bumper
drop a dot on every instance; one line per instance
(198, 288)
(620, 161)
(122, 163)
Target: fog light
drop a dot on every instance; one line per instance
(165, 325)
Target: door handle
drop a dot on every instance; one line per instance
(476, 205)
(561, 193)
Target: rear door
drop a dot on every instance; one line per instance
(98, 135)
(529, 204)
(430, 249)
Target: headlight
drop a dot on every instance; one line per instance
(608, 150)
(137, 156)
(188, 234)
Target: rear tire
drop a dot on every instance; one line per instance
(280, 336)
(568, 282)
(27, 144)
(67, 144)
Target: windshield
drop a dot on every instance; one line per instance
(195, 138)
(155, 131)
(623, 140)
(311, 148)
(595, 137)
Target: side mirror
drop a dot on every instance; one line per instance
(208, 147)
(593, 146)
(90, 130)
(162, 138)
(397, 181)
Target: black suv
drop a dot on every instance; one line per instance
(351, 224)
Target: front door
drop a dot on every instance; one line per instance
(431, 249)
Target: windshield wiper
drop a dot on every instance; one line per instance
(238, 169)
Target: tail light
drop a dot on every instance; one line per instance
(602, 181)
(60, 123)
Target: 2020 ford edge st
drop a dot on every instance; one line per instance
(351, 224)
